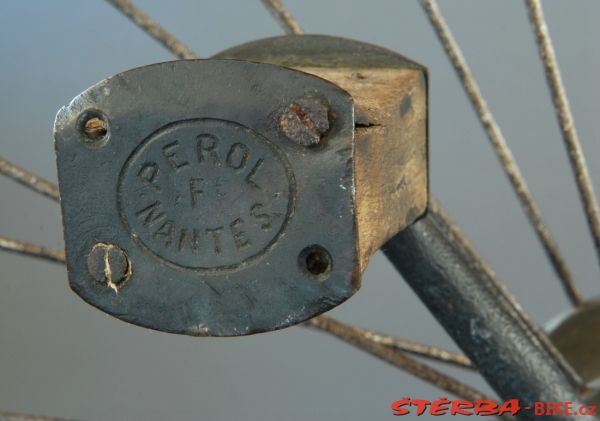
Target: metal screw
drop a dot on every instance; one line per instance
(95, 128)
(305, 121)
(108, 264)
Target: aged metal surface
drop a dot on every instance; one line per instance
(356, 337)
(283, 16)
(575, 334)
(29, 180)
(9, 416)
(479, 315)
(565, 119)
(208, 199)
(390, 99)
(327, 324)
(152, 28)
(108, 264)
(305, 121)
(503, 151)
(244, 197)
(33, 250)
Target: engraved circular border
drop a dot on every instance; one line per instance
(218, 269)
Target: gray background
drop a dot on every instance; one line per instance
(58, 356)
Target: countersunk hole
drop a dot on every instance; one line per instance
(316, 262)
(93, 125)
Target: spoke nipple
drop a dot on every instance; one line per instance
(109, 265)
(305, 121)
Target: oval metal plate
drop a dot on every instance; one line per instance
(212, 205)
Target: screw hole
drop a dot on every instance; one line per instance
(316, 262)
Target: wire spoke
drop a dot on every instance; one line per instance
(393, 343)
(29, 180)
(153, 29)
(565, 119)
(9, 416)
(398, 359)
(502, 149)
(32, 250)
(415, 348)
(385, 347)
(38, 185)
(283, 17)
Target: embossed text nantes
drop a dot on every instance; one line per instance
(206, 194)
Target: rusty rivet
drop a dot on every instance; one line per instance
(95, 128)
(305, 121)
(108, 264)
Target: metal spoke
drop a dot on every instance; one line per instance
(9, 416)
(29, 180)
(502, 150)
(153, 29)
(415, 348)
(399, 360)
(393, 343)
(565, 119)
(32, 250)
(283, 17)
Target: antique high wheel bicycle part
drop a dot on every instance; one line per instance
(309, 116)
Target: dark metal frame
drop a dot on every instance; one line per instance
(483, 319)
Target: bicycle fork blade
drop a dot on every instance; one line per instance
(481, 317)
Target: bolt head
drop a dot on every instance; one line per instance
(108, 264)
(95, 128)
(305, 121)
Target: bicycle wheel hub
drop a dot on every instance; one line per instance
(228, 197)
(575, 335)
